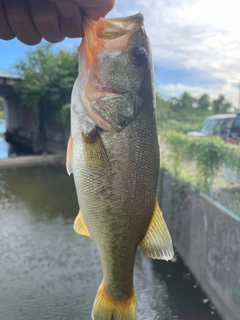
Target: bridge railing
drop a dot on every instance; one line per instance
(10, 74)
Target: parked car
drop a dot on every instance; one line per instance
(234, 135)
(226, 126)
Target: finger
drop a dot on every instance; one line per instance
(6, 32)
(97, 8)
(96, 3)
(70, 17)
(45, 18)
(20, 21)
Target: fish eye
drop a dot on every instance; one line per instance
(139, 56)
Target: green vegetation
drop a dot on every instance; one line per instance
(206, 154)
(48, 79)
(202, 162)
(65, 114)
(187, 113)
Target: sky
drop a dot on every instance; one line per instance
(195, 45)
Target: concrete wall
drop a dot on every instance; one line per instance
(12, 113)
(208, 240)
(22, 129)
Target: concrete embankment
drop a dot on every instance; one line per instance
(208, 240)
(29, 161)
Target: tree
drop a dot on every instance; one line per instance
(174, 101)
(203, 102)
(220, 105)
(65, 115)
(187, 101)
(48, 79)
(47, 76)
(163, 108)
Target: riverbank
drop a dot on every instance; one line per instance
(30, 161)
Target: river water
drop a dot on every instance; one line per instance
(48, 272)
(4, 146)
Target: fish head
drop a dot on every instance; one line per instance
(114, 65)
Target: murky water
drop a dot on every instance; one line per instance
(48, 272)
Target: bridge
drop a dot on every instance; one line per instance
(7, 81)
(23, 123)
(13, 109)
(12, 105)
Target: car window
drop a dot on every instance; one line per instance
(227, 123)
(218, 127)
(210, 126)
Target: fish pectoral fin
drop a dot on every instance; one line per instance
(157, 243)
(69, 156)
(80, 226)
(105, 307)
(95, 154)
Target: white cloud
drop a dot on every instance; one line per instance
(196, 36)
(193, 34)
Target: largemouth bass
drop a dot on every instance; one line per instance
(113, 154)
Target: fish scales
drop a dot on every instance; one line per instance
(113, 154)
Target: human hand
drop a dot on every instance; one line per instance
(53, 20)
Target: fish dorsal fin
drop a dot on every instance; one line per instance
(69, 156)
(80, 226)
(157, 243)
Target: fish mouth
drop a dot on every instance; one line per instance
(109, 34)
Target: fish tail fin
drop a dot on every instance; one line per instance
(107, 308)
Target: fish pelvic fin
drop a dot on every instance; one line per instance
(157, 243)
(69, 156)
(107, 308)
(80, 226)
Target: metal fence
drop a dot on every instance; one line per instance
(223, 187)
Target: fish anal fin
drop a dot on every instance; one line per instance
(157, 242)
(69, 156)
(80, 226)
(107, 308)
